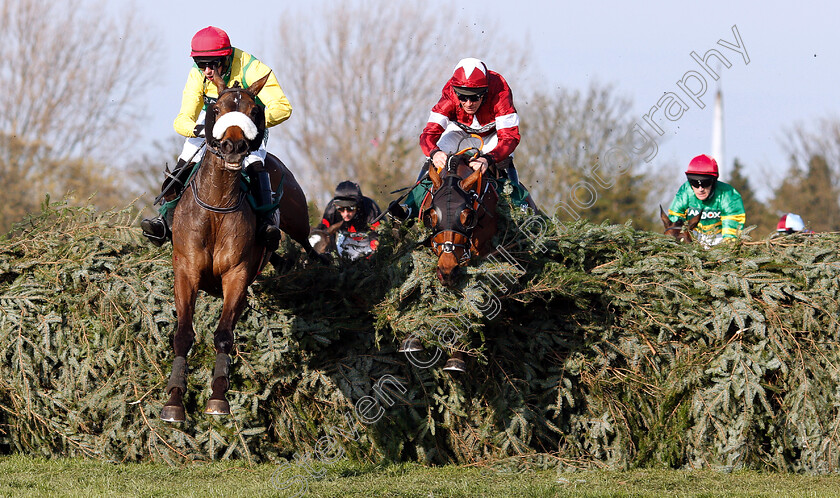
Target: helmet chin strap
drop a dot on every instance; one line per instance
(226, 66)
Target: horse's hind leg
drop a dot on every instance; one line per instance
(185, 295)
(235, 289)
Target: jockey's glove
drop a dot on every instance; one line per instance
(198, 130)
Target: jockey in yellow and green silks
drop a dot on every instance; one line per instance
(213, 56)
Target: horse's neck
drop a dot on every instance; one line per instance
(216, 185)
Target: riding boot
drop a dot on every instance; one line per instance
(397, 210)
(267, 233)
(411, 204)
(157, 229)
(512, 174)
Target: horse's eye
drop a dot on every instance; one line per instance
(467, 218)
(430, 218)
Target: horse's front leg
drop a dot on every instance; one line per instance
(235, 290)
(185, 296)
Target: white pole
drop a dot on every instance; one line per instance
(717, 131)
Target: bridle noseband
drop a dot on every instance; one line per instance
(447, 196)
(212, 146)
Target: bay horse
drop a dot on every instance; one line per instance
(461, 211)
(679, 229)
(323, 239)
(214, 248)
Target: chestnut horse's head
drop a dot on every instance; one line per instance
(453, 216)
(235, 123)
(678, 229)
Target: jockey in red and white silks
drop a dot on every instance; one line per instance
(452, 120)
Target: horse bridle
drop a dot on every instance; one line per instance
(238, 90)
(451, 183)
(218, 153)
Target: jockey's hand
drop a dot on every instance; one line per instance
(198, 131)
(481, 162)
(439, 159)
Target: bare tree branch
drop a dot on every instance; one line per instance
(71, 99)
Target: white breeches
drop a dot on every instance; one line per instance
(455, 139)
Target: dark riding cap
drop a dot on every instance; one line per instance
(348, 194)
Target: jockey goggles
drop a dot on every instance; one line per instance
(205, 63)
(471, 98)
(707, 183)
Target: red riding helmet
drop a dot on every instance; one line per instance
(703, 165)
(210, 42)
(470, 77)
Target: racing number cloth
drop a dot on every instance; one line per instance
(723, 212)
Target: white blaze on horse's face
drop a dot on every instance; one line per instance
(234, 118)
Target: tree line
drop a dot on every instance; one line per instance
(361, 81)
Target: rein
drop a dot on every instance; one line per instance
(216, 209)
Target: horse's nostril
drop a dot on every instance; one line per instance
(226, 146)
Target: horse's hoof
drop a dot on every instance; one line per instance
(172, 413)
(217, 407)
(410, 345)
(455, 365)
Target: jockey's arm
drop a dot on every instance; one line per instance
(277, 106)
(192, 101)
(733, 218)
(372, 211)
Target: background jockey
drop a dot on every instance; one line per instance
(791, 223)
(721, 206)
(213, 55)
(477, 101)
(354, 209)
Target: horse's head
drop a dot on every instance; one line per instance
(678, 229)
(323, 239)
(235, 123)
(452, 217)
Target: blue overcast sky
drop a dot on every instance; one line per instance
(642, 48)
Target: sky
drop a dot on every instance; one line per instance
(787, 74)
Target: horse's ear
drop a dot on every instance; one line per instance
(256, 86)
(664, 217)
(469, 182)
(220, 83)
(335, 227)
(434, 175)
(693, 222)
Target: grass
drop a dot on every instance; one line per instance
(25, 476)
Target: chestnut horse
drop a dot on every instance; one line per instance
(213, 235)
(461, 211)
(678, 229)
